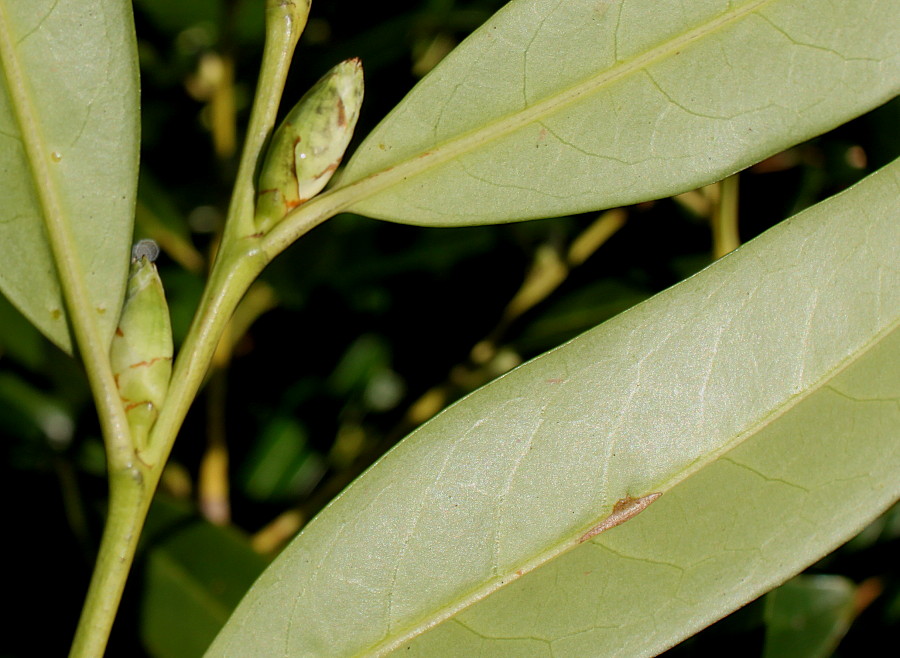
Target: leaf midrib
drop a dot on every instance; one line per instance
(35, 148)
(78, 302)
(390, 644)
(469, 141)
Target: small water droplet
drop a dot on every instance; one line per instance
(56, 156)
(144, 249)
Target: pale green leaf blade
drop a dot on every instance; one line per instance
(78, 87)
(759, 396)
(556, 107)
(738, 527)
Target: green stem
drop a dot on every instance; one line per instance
(235, 268)
(133, 479)
(128, 504)
(284, 24)
(240, 259)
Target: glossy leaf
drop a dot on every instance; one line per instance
(68, 131)
(187, 594)
(807, 616)
(759, 396)
(556, 107)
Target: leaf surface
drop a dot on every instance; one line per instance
(760, 397)
(68, 145)
(553, 107)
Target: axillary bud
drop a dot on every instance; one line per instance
(307, 147)
(141, 349)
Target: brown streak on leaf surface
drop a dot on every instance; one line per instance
(624, 509)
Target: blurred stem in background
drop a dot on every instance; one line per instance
(725, 218)
(213, 479)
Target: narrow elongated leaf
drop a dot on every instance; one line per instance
(68, 140)
(759, 397)
(557, 107)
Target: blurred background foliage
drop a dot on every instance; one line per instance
(357, 334)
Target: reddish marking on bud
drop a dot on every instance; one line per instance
(293, 161)
(141, 364)
(329, 170)
(119, 331)
(342, 113)
(624, 509)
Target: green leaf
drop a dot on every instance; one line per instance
(195, 573)
(807, 616)
(68, 146)
(556, 107)
(281, 464)
(760, 396)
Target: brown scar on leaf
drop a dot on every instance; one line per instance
(624, 509)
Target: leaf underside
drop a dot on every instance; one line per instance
(69, 130)
(553, 107)
(759, 396)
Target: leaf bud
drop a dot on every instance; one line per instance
(141, 349)
(307, 147)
